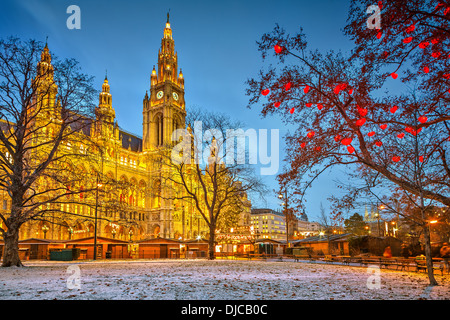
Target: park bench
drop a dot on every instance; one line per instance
(346, 260)
(401, 264)
(354, 260)
(421, 264)
(298, 257)
(386, 262)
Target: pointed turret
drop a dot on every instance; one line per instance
(164, 111)
(46, 88)
(105, 113)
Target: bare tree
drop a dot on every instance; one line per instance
(200, 168)
(343, 112)
(46, 111)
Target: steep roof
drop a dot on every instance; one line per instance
(333, 237)
(130, 141)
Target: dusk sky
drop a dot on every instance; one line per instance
(216, 45)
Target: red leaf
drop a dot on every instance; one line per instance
(319, 106)
(410, 28)
(393, 109)
(337, 138)
(337, 89)
(360, 122)
(306, 90)
(421, 158)
(435, 41)
(436, 54)
(380, 4)
(396, 158)
(394, 75)
(412, 131)
(378, 143)
(424, 44)
(350, 91)
(277, 104)
(265, 92)
(278, 48)
(426, 69)
(362, 112)
(292, 110)
(309, 104)
(423, 119)
(379, 34)
(287, 86)
(303, 145)
(310, 134)
(383, 126)
(346, 141)
(371, 133)
(446, 76)
(439, 5)
(407, 40)
(350, 149)
(400, 135)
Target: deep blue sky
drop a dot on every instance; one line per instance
(215, 41)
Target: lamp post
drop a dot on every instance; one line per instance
(130, 233)
(45, 229)
(95, 219)
(183, 222)
(431, 222)
(286, 211)
(380, 207)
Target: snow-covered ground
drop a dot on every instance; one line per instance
(213, 280)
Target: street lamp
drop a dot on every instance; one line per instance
(286, 210)
(45, 229)
(130, 233)
(99, 185)
(182, 221)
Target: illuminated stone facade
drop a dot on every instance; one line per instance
(145, 211)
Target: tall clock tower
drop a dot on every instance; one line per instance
(164, 109)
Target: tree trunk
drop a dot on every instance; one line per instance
(426, 233)
(212, 242)
(11, 251)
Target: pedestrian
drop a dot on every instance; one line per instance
(445, 254)
(387, 252)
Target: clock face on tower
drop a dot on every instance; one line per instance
(175, 96)
(159, 95)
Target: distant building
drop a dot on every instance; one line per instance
(371, 216)
(303, 216)
(307, 229)
(269, 224)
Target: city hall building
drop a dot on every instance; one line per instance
(144, 213)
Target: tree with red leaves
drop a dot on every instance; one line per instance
(344, 113)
